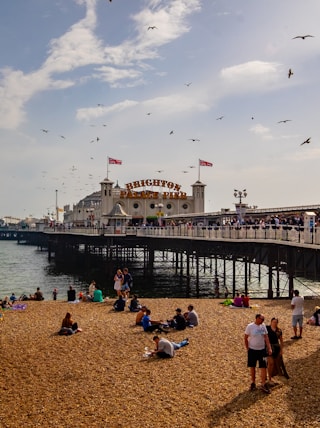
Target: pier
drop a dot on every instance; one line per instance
(191, 252)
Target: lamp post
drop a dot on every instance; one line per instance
(240, 194)
(159, 213)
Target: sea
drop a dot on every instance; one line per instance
(23, 268)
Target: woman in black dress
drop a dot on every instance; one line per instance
(275, 361)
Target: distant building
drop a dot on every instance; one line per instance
(146, 201)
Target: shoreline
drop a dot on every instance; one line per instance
(99, 377)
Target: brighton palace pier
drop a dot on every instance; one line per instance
(152, 221)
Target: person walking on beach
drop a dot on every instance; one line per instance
(256, 341)
(55, 293)
(118, 280)
(297, 314)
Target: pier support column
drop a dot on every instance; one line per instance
(270, 291)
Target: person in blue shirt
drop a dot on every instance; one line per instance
(149, 325)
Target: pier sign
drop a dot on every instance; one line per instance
(148, 192)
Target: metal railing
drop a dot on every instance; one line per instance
(284, 233)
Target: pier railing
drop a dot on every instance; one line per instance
(294, 234)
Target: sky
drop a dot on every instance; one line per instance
(84, 80)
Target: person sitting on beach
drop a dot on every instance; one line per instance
(6, 304)
(13, 298)
(97, 295)
(191, 317)
(92, 287)
(134, 304)
(140, 315)
(119, 304)
(315, 319)
(245, 301)
(178, 321)
(237, 301)
(37, 295)
(151, 325)
(165, 348)
(68, 326)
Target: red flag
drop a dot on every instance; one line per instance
(205, 163)
(115, 161)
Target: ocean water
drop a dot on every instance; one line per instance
(24, 268)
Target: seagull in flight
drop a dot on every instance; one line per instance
(302, 37)
(220, 118)
(290, 73)
(62, 136)
(45, 130)
(185, 172)
(188, 84)
(159, 170)
(194, 139)
(171, 132)
(152, 27)
(285, 121)
(148, 114)
(191, 166)
(307, 141)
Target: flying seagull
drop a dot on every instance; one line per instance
(194, 139)
(185, 172)
(171, 132)
(220, 118)
(284, 121)
(159, 170)
(148, 114)
(152, 27)
(191, 166)
(290, 73)
(188, 84)
(62, 136)
(302, 37)
(45, 130)
(307, 141)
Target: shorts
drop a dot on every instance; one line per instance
(257, 355)
(297, 319)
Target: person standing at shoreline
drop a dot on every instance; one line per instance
(118, 281)
(297, 314)
(256, 341)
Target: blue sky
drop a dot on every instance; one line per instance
(88, 69)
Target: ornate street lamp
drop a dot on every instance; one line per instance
(240, 194)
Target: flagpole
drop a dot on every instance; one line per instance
(199, 171)
(107, 167)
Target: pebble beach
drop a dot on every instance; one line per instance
(100, 377)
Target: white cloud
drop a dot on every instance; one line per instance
(252, 72)
(79, 47)
(95, 112)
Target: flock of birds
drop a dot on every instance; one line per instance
(188, 84)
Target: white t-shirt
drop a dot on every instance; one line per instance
(297, 301)
(256, 335)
